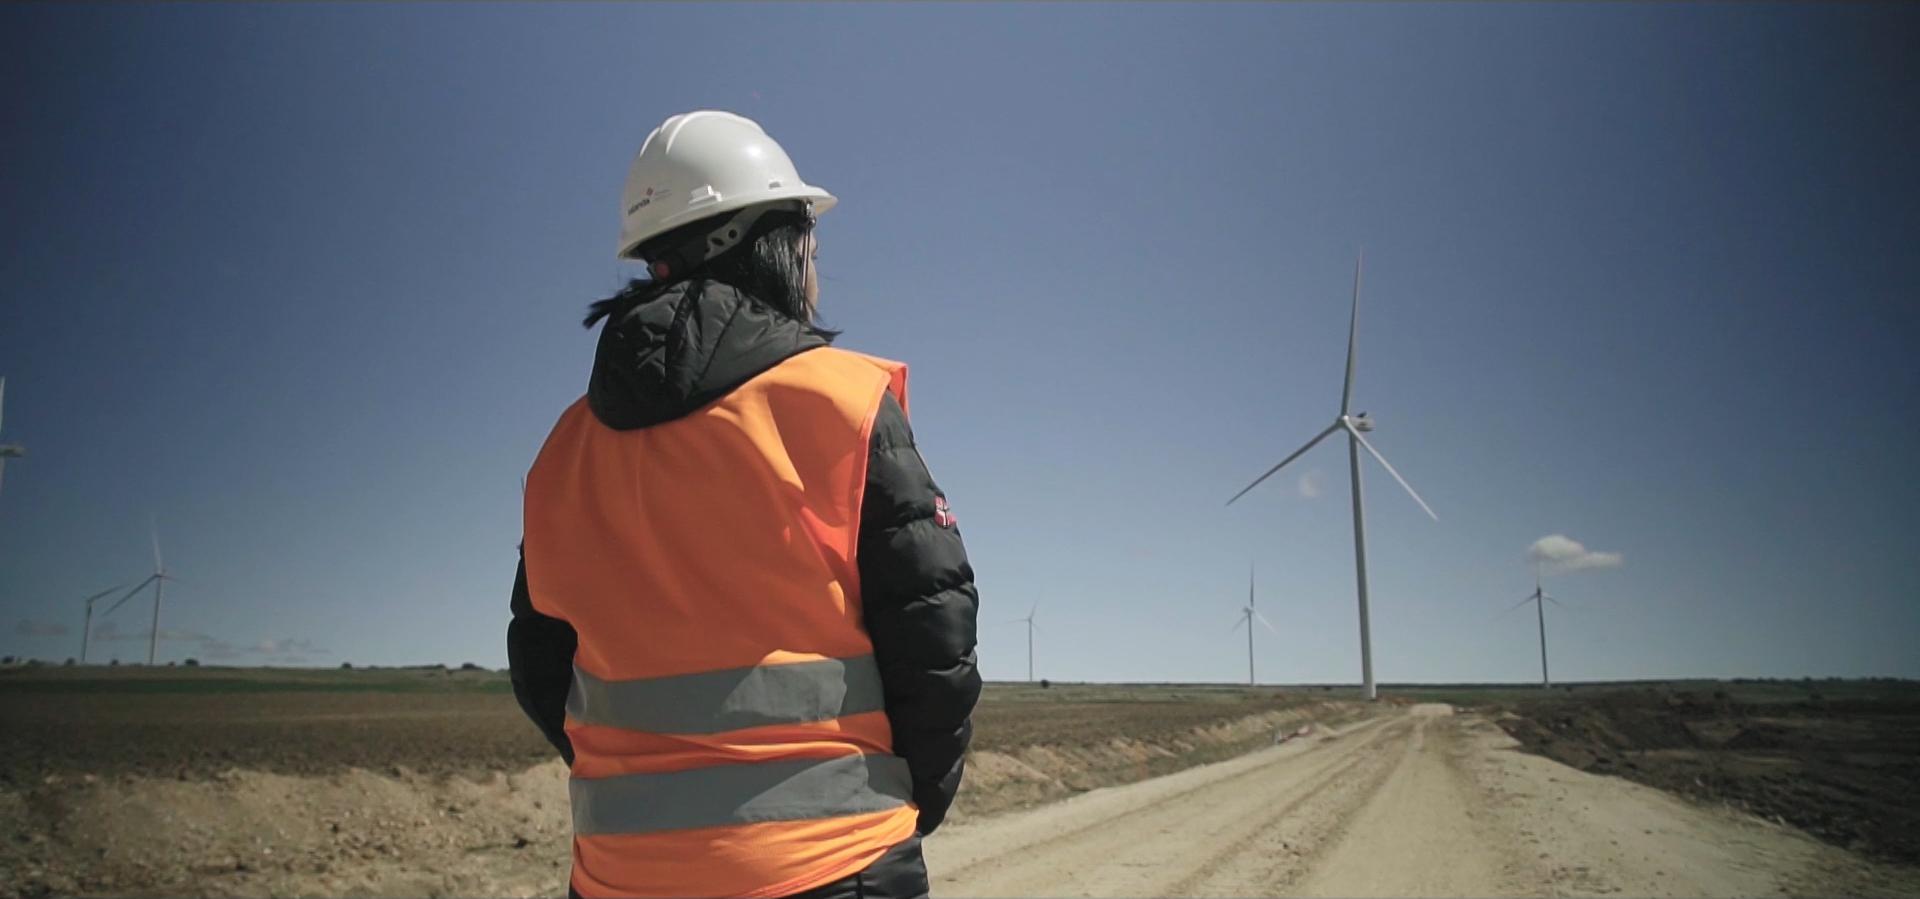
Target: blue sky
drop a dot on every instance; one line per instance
(304, 283)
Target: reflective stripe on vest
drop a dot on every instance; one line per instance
(712, 702)
(720, 795)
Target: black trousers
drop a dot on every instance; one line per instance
(900, 874)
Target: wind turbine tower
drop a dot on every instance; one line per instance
(1355, 426)
(1539, 598)
(1248, 616)
(1029, 620)
(7, 450)
(159, 579)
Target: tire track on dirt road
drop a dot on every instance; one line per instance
(1426, 830)
(1116, 843)
(1309, 835)
(1275, 850)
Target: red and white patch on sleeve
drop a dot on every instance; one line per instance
(942, 513)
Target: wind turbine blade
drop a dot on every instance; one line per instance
(1237, 622)
(157, 565)
(129, 595)
(1283, 462)
(1353, 328)
(1269, 624)
(1528, 599)
(1554, 601)
(90, 600)
(1396, 475)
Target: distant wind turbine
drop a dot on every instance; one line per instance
(86, 630)
(157, 578)
(1029, 621)
(1247, 616)
(1354, 426)
(7, 450)
(1539, 598)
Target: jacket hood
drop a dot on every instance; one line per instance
(663, 356)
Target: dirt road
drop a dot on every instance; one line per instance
(1424, 803)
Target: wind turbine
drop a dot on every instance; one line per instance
(1247, 616)
(1354, 426)
(1029, 620)
(1539, 598)
(157, 578)
(86, 630)
(7, 450)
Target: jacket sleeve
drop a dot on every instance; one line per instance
(540, 661)
(920, 607)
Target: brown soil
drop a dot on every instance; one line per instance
(1002, 725)
(190, 736)
(1845, 771)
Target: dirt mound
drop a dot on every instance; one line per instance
(257, 834)
(1845, 773)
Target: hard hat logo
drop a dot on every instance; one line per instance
(702, 164)
(648, 198)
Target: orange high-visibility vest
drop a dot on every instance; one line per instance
(727, 717)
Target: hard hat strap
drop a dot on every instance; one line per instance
(689, 255)
(806, 252)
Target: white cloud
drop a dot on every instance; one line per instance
(1561, 553)
(1311, 484)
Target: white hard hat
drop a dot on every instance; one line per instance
(701, 164)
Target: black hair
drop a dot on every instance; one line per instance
(768, 266)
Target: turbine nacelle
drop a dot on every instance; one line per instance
(1360, 422)
(1249, 613)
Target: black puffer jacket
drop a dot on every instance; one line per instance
(664, 357)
